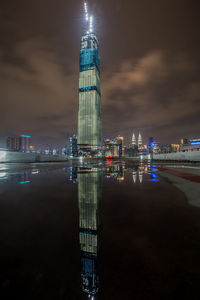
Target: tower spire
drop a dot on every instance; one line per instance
(88, 18)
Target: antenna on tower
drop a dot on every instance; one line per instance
(86, 11)
(89, 19)
(91, 23)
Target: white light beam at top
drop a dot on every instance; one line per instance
(86, 11)
(88, 19)
(91, 23)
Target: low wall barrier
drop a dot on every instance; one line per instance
(20, 157)
(178, 156)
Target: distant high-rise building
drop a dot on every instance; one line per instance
(139, 140)
(194, 142)
(19, 143)
(73, 146)
(120, 145)
(151, 140)
(190, 145)
(108, 147)
(12, 143)
(115, 149)
(151, 144)
(89, 111)
(184, 141)
(133, 140)
(64, 151)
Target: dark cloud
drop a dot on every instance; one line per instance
(150, 68)
(151, 94)
(38, 96)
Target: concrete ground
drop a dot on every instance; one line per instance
(186, 177)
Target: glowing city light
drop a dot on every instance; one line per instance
(154, 180)
(2, 175)
(154, 175)
(26, 136)
(195, 143)
(2, 154)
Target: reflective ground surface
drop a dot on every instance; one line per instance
(106, 230)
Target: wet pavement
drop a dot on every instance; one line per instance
(96, 230)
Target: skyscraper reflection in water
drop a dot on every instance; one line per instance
(89, 201)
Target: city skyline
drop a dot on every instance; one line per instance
(39, 69)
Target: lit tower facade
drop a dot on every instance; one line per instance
(89, 111)
(139, 140)
(133, 140)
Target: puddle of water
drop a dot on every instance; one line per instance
(92, 230)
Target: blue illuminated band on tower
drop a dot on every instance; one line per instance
(90, 88)
(26, 136)
(89, 59)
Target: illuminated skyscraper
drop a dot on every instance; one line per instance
(20, 143)
(120, 145)
(89, 111)
(89, 198)
(133, 140)
(73, 146)
(139, 140)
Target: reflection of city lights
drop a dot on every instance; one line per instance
(35, 172)
(154, 175)
(2, 154)
(154, 180)
(109, 161)
(120, 178)
(24, 182)
(2, 175)
(3, 169)
(134, 176)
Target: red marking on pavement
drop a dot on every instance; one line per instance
(187, 176)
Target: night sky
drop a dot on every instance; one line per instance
(150, 68)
